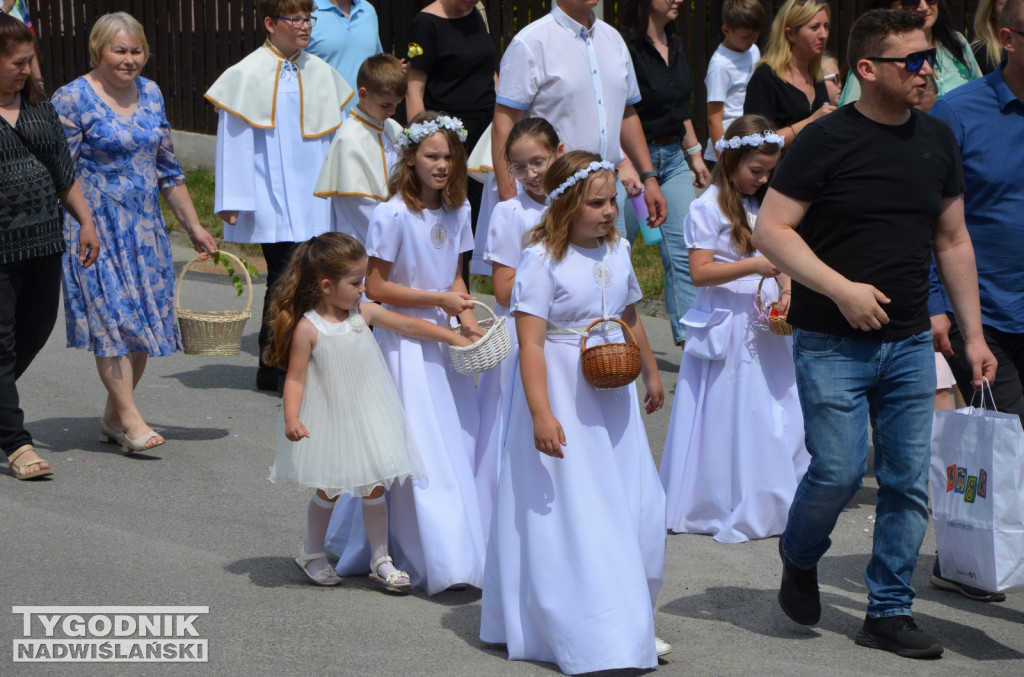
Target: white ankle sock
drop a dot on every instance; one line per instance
(375, 519)
(318, 516)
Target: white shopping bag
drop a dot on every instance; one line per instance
(977, 494)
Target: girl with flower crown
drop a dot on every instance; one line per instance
(416, 241)
(734, 452)
(577, 543)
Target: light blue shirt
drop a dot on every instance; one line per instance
(345, 42)
(988, 122)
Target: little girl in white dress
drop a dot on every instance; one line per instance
(734, 451)
(342, 427)
(577, 543)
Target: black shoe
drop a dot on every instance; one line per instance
(798, 594)
(898, 634)
(968, 591)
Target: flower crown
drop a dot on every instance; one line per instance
(579, 176)
(754, 140)
(418, 131)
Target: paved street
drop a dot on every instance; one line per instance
(196, 523)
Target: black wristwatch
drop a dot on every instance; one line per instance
(648, 175)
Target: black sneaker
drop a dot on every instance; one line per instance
(898, 634)
(798, 593)
(968, 591)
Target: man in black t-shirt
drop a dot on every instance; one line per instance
(874, 188)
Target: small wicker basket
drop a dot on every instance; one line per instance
(486, 353)
(610, 365)
(776, 323)
(216, 332)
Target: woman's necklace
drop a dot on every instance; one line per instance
(14, 98)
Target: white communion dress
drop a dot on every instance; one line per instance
(577, 544)
(734, 452)
(358, 435)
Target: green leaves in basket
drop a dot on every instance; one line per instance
(229, 265)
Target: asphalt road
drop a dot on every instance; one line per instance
(196, 523)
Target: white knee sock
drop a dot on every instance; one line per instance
(318, 516)
(375, 519)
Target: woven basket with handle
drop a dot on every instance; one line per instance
(776, 323)
(610, 365)
(487, 352)
(217, 332)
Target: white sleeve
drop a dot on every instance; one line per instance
(533, 292)
(505, 233)
(235, 166)
(717, 80)
(518, 82)
(384, 238)
(702, 224)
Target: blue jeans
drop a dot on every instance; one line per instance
(677, 186)
(842, 382)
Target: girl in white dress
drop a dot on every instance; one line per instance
(577, 544)
(531, 147)
(734, 452)
(342, 427)
(416, 242)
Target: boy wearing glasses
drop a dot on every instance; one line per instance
(871, 212)
(279, 108)
(355, 174)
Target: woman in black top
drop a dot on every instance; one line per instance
(453, 61)
(787, 85)
(35, 173)
(664, 111)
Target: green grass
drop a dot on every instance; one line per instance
(646, 260)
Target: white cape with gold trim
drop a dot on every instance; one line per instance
(248, 90)
(356, 164)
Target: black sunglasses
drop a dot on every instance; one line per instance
(910, 5)
(913, 62)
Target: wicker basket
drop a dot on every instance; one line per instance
(776, 323)
(487, 352)
(216, 332)
(610, 365)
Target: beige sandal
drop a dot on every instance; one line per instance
(18, 469)
(392, 582)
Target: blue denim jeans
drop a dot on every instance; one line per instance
(677, 186)
(842, 382)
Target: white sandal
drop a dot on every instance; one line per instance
(327, 576)
(391, 583)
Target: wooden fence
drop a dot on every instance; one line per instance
(194, 41)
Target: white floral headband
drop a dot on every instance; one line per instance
(418, 131)
(579, 176)
(754, 140)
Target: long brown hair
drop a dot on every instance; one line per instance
(730, 199)
(12, 34)
(404, 181)
(555, 229)
(330, 256)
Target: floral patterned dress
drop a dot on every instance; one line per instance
(124, 303)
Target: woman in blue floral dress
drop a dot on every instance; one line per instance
(123, 307)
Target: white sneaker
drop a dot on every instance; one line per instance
(661, 646)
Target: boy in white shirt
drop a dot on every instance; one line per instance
(360, 160)
(278, 109)
(730, 68)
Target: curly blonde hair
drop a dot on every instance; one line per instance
(330, 256)
(555, 229)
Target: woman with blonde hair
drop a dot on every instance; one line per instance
(787, 86)
(987, 51)
(123, 309)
